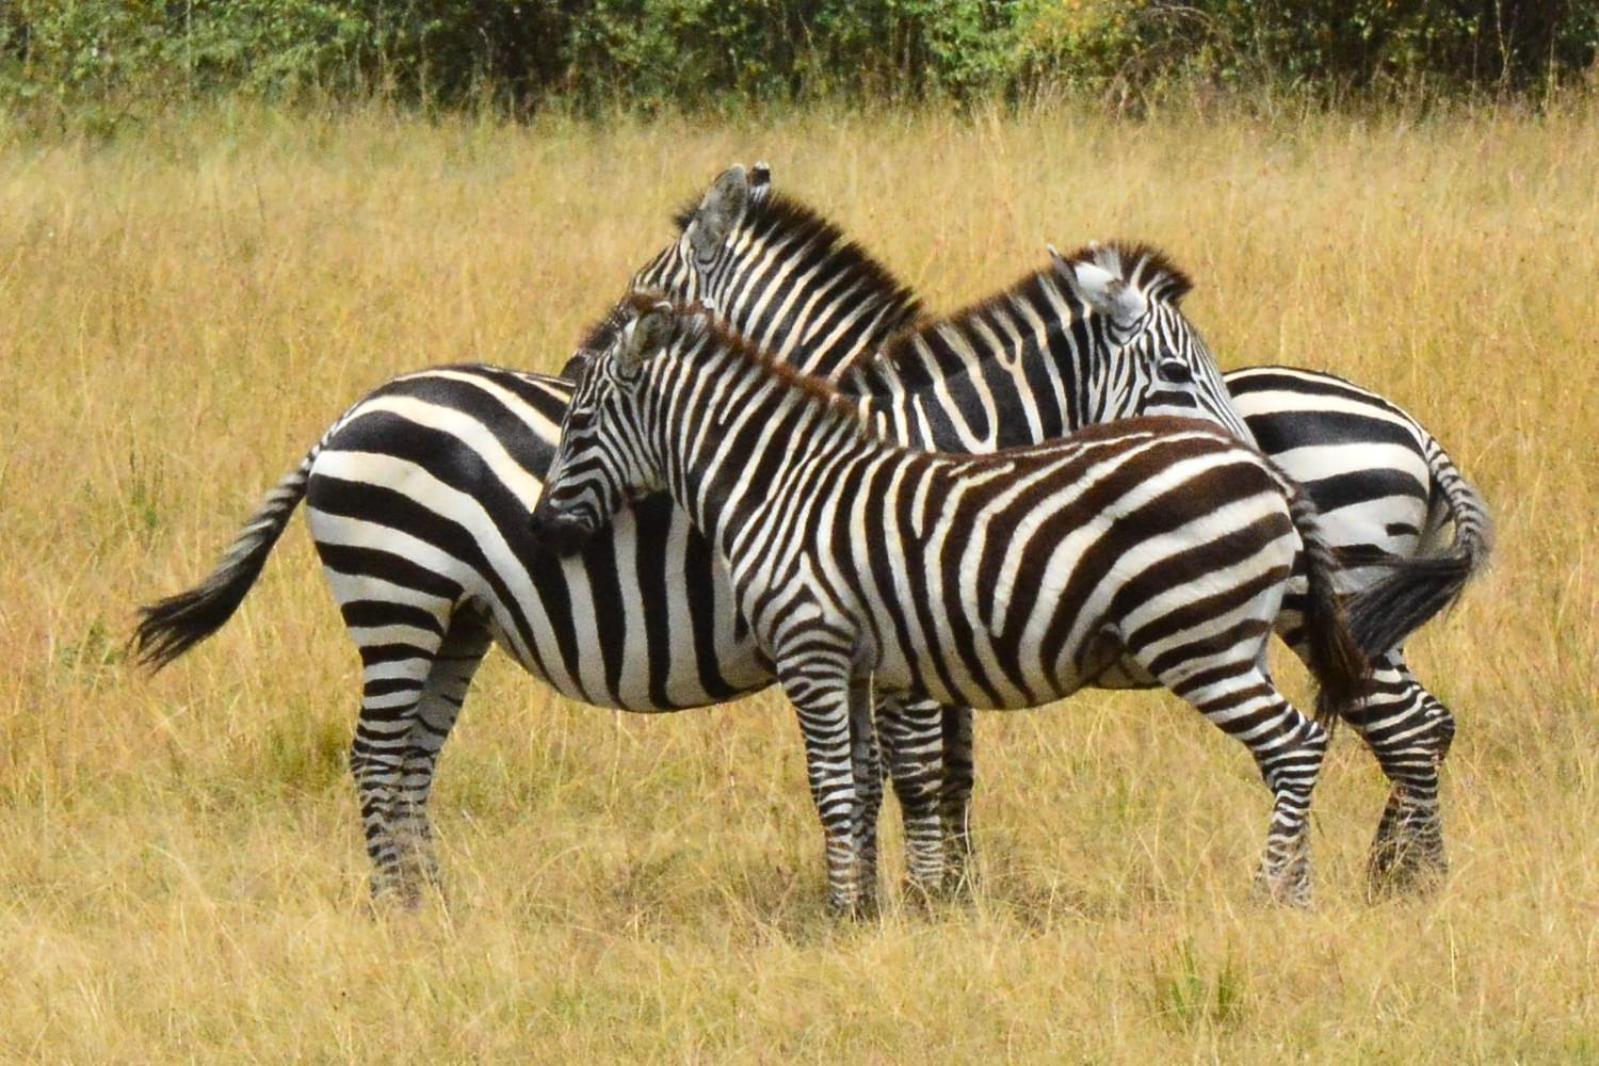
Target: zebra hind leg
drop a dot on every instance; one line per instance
(1410, 731)
(394, 674)
(1288, 748)
(913, 746)
(454, 665)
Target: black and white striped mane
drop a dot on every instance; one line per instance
(1142, 266)
(693, 321)
(779, 220)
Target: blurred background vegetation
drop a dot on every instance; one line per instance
(121, 57)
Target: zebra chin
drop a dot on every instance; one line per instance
(563, 534)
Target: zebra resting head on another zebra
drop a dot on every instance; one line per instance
(997, 581)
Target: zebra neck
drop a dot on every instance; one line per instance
(734, 442)
(1018, 369)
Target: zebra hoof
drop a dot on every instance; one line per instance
(1283, 889)
(1403, 868)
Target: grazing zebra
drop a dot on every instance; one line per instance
(999, 581)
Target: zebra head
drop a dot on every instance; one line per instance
(603, 459)
(694, 265)
(1163, 365)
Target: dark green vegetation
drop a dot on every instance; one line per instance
(115, 57)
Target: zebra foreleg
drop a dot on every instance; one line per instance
(955, 801)
(913, 746)
(867, 768)
(442, 696)
(827, 699)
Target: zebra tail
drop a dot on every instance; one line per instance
(170, 627)
(1336, 658)
(1412, 591)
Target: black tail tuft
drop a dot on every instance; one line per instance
(170, 627)
(1336, 657)
(1411, 592)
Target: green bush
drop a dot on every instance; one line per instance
(699, 53)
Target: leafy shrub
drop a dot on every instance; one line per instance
(646, 53)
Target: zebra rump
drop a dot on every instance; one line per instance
(1413, 590)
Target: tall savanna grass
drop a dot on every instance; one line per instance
(185, 309)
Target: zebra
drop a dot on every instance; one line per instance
(417, 499)
(1386, 487)
(1005, 580)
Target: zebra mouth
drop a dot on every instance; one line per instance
(561, 534)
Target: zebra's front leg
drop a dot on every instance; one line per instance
(825, 695)
(960, 776)
(913, 746)
(867, 768)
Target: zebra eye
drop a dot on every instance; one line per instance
(1175, 372)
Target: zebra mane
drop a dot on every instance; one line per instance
(1142, 266)
(697, 320)
(772, 215)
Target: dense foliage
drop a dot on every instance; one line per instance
(704, 52)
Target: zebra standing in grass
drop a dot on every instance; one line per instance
(991, 377)
(1005, 581)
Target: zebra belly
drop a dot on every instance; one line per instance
(642, 619)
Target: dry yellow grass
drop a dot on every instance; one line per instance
(181, 875)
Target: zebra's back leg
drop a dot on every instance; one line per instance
(443, 693)
(1240, 699)
(1410, 731)
(912, 734)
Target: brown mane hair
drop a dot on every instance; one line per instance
(697, 319)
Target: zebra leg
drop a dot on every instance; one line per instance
(1288, 748)
(960, 775)
(913, 746)
(826, 697)
(394, 675)
(1410, 731)
(457, 660)
(866, 766)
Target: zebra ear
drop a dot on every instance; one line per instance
(1107, 293)
(719, 212)
(651, 332)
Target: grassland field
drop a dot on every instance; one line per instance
(183, 311)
